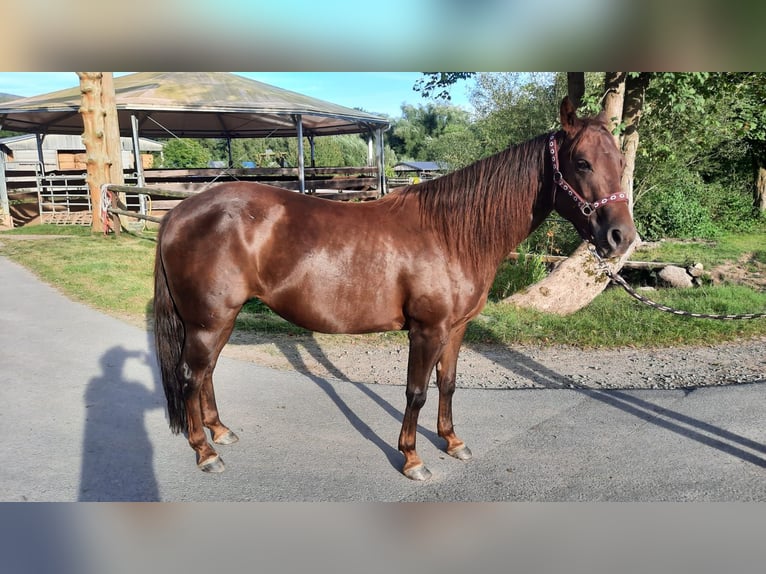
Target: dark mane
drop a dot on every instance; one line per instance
(484, 208)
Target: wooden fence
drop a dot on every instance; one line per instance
(62, 196)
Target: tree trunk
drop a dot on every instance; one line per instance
(575, 282)
(101, 137)
(635, 89)
(614, 100)
(572, 285)
(576, 87)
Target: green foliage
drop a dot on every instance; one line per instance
(556, 236)
(329, 151)
(512, 276)
(614, 319)
(727, 247)
(437, 84)
(256, 316)
(186, 153)
(417, 134)
(674, 212)
(701, 136)
(457, 147)
(514, 107)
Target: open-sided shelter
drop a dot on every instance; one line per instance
(203, 105)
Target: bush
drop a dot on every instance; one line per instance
(730, 209)
(556, 236)
(512, 276)
(674, 212)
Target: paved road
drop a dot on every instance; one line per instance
(82, 418)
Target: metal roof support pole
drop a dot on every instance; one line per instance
(140, 181)
(228, 150)
(40, 155)
(380, 162)
(313, 151)
(301, 167)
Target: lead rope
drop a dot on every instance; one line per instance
(615, 277)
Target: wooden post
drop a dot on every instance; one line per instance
(101, 137)
(5, 210)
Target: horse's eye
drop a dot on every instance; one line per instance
(582, 165)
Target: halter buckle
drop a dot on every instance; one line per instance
(587, 209)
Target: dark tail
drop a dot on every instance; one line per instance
(169, 336)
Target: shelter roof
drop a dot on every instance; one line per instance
(192, 104)
(419, 166)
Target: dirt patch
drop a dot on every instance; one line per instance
(504, 367)
(748, 271)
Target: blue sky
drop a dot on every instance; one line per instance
(376, 92)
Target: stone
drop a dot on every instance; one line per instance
(696, 270)
(673, 276)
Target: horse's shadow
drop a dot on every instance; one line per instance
(679, 423)
(291, 349)
(523, 366)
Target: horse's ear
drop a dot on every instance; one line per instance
(569, 120)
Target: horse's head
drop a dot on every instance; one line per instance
(587, 170)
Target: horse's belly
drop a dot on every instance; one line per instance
(349, 315)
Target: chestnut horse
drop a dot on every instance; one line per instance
(421, 259)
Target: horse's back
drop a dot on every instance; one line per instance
(325, 265)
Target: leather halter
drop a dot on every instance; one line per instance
(587, 208)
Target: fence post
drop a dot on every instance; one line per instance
(5, 209)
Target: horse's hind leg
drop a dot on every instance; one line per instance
(220, 433)
(446, 370)
(198, 360)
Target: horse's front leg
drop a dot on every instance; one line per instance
(446, 370)
(426, 345)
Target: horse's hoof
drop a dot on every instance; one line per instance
(461, 453)
(214, 464)
(419, 472)
(227, 438)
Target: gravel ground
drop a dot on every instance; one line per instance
(500, 367)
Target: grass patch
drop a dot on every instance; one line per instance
(68, 230)
(513, 276)
(729, 247)
(614, 319)
(256, 316)
(114, 275)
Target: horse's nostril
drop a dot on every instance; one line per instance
(614, 237)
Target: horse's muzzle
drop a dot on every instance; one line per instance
(615, 239)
